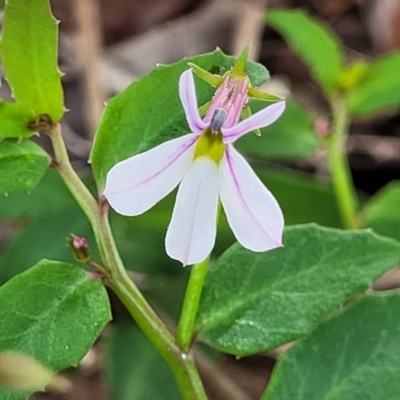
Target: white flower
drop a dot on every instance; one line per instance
(208, 169)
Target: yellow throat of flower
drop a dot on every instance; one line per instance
(210, 145)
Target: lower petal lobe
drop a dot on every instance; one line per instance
(192, 231)
(252, 211)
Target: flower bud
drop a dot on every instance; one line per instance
(79, 247)
(322, 127)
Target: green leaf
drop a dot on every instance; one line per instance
(149, 111)
(292, 136)
(15, 120)
(382, 212)
(22, 165)
(302, 197)
(29, 204)
(141, 240)
(379, 88)
(29, 55)
(354, 355)
(314, 42)
(253, 302)
(52, 312)
(45, 237)
(134, 369)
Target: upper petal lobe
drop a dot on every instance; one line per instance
(136, 184)
(187, 94)
(261, 119)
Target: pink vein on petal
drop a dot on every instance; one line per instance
(192, 223)
(184, 148)
(237, 185)
(261, 119)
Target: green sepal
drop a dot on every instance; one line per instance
(204, 108)
(258, 94)
(239, 68)
(211, 79)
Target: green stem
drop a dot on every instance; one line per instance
(118, 280)
(191, 303)
(180, 362)
(345, 192)
(70, 178)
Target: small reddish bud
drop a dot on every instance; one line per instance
(79, 247)
(322, 126)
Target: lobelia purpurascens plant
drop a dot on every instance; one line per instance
(255, 296)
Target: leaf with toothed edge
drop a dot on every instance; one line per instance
(28, 51)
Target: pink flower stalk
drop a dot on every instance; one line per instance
(208, 169)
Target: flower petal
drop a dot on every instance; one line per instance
(187, 94)
(261, 119)
(252, 211)
(191, 233)
(135, 185)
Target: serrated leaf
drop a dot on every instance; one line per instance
(379, 88)
(354, 355)
(15, 120)
(22, 165)
(315, 44)
(149, 112)
(52, 312)
(29, 56)
(382, 212)
(292, 136)
(134, 369)
(253, 302)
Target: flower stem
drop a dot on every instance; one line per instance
(70, 178)
(191, 302)
(345, 192)
(118, 280)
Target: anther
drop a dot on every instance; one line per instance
(218, 119)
